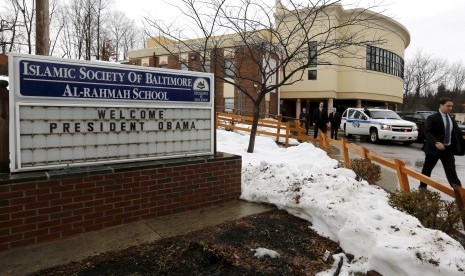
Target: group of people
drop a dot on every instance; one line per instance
(321, 120)
(444, 139)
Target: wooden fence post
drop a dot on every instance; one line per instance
(320, 139)
(403, 179)
(460, 200)
(278, 134)
(365, 156)
(345, 153)
(233, 118)
(327, 145)
(287, 134)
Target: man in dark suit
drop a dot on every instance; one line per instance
(443, 141)
(320, 119)
(335, 121)
(303, 118)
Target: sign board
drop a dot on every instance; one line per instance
(70, 112)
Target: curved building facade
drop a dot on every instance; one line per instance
(371, 77)
(369, 74)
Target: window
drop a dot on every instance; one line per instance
(312, 74)
(228, 104)
(384, 114)
(351, 113)
(356, 115)
(384, 61)
(229, 67)
(312, 54)
(184, 67)
(206, 66)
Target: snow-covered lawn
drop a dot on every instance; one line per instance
(305, 182)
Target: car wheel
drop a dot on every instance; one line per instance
(345, 132)
(374, 138)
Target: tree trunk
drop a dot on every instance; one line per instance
(253, 131)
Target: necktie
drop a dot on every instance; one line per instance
(447, 136)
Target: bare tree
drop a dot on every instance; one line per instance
(121, 29)
(100, 8)
(11, 25)
(132, 39)
(27, 12)
(273, 40)
(56, 24)
(425, 71)
(456, 74)
(7, 32)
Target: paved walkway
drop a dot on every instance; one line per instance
(25, 260)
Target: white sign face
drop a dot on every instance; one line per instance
(55, 124)
(53, 135)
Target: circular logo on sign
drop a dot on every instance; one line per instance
(201, 84)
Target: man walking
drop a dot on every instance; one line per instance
(303, 118)
(335, 120)
(443, 141)
(320, 119)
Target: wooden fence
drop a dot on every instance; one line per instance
(275, 128)
(229, 121)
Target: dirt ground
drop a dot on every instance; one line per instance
(225, 249)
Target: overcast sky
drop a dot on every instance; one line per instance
(436, 27)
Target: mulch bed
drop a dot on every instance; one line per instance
(224, 249)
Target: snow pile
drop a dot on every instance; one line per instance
(263, 252)
(307, 183)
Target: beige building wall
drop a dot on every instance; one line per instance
(339, 82)
(352, 83)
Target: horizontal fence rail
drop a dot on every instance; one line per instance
(278, 129)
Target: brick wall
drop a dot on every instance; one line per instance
(36, 208)
(3, 64)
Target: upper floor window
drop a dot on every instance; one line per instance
(384, 61)
(229, 67)
(206, 66)
(312, 53)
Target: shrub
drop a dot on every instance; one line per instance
(430, 209)
(369, 172)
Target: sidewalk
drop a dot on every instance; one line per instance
(22, 261)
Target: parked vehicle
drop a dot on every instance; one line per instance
(462, 128)
(419, 119)
(378, 124)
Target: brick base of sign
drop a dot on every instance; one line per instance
(37, 207)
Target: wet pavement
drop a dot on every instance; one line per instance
(25, 260)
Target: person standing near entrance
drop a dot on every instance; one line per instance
(335, 121)
(303, 119)
(443, 141)
(320, 119)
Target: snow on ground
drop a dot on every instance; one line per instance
(263, 252)
(305, 182)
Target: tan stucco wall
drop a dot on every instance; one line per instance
(353, 81)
